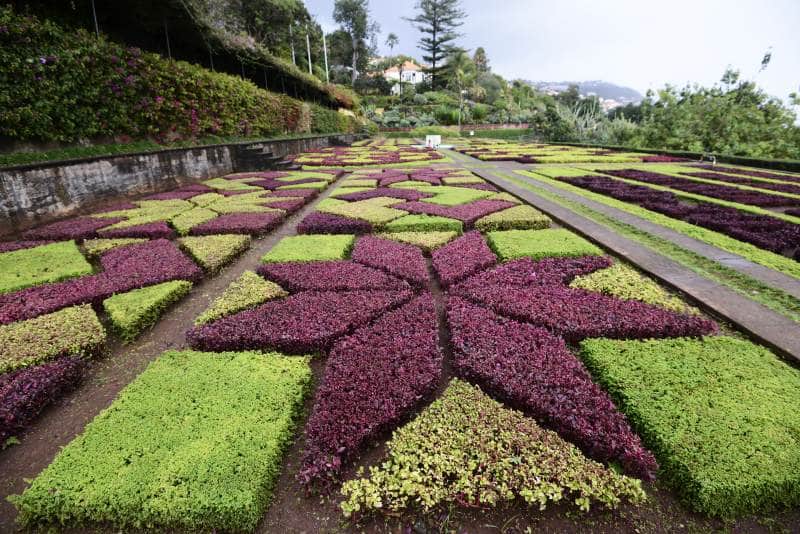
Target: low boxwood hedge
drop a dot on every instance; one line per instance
(132, 312)
(193, 444)
(247, 291)
(538, 244)
(719, 413)
(39, 265)
(213, 252)
(311, 247)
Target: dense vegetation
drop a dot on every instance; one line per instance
(67, 85)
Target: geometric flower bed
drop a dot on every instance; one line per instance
(719, 413)
(499, 150)
(467, 448)
(176, 463)
(355, 156)
(763, 231)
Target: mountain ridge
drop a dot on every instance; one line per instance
(601, 88)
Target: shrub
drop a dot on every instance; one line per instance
(576, 314)
(247, 291)
(40, 265)
(424, 223)
(124, 269)
(373, 210)
(97, 247)
(326, 223)
(373, 378)
(187, 220)
(240, 223)
(78, 228)
(521, 217)
(427, 241)
(466, 213)
(626, 283)
(73, 331)
(24, 393)
(311, 248)
(132, 312)
(463, 257)
(466, 448)
(534, 371)
(719, 413)
(188, 465)
(538, 244)
(341, 275)
(213, 252)
(306, 322)
(404, 261)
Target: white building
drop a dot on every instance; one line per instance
(409, 74)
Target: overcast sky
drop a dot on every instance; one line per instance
(638, 43)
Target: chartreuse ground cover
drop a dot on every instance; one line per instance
(213, 252)
(39, 265)
(469, 448)
(96, 247)
(538, 244)
(132, 312)
(719, 413)
(74, 330)
(310, 248)
(522, 217)
(195, 443)
(424, 223)
(247, 291)
(427, 241)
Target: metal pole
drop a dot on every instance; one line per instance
(308, 48)
(242, 64)
(211, 58)
(266, 83)
(96, 26)
(166, 32)
(291, 42)
(325, 50)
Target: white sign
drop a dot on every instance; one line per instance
(433, 141)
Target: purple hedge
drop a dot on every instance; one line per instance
(463, 257)
(172, 195)
(26, 392)
(405, 261)
(326, 223)
(466, 213)
(240, 223)
(783, 188)
(118, 206)
(79, 228)
(405, 194)
(723, 192)
(124, 269)
(526, 272)
(290, 206)
(532, 370)
(750, 172)
(305, 193)
(198, 188)
(339, 275)
(576, 314)
(762, 231)
(10, 246)
(306, 322)
(373, 379)
(153, 230)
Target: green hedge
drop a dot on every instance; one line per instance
(194, 444)
(67, 85)
(311, 248)
(247, 291)
(720, 414)
(29, 267)
(538, 244)
(213, 252)
(132, 312)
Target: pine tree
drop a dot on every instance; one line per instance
(437, 20)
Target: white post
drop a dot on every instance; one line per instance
(325, 51)
(308, 48)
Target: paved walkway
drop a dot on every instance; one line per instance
(769, 327)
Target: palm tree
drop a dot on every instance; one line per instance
(461, 73)
(391, 42)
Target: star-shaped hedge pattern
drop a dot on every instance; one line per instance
(375, 318)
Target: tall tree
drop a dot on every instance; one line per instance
(437, 20)
(353, 18)
(460, 71)
(480, 60)
(391, 42)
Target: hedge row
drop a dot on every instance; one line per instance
(719, 413)
(67, 85)
(197, 439)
